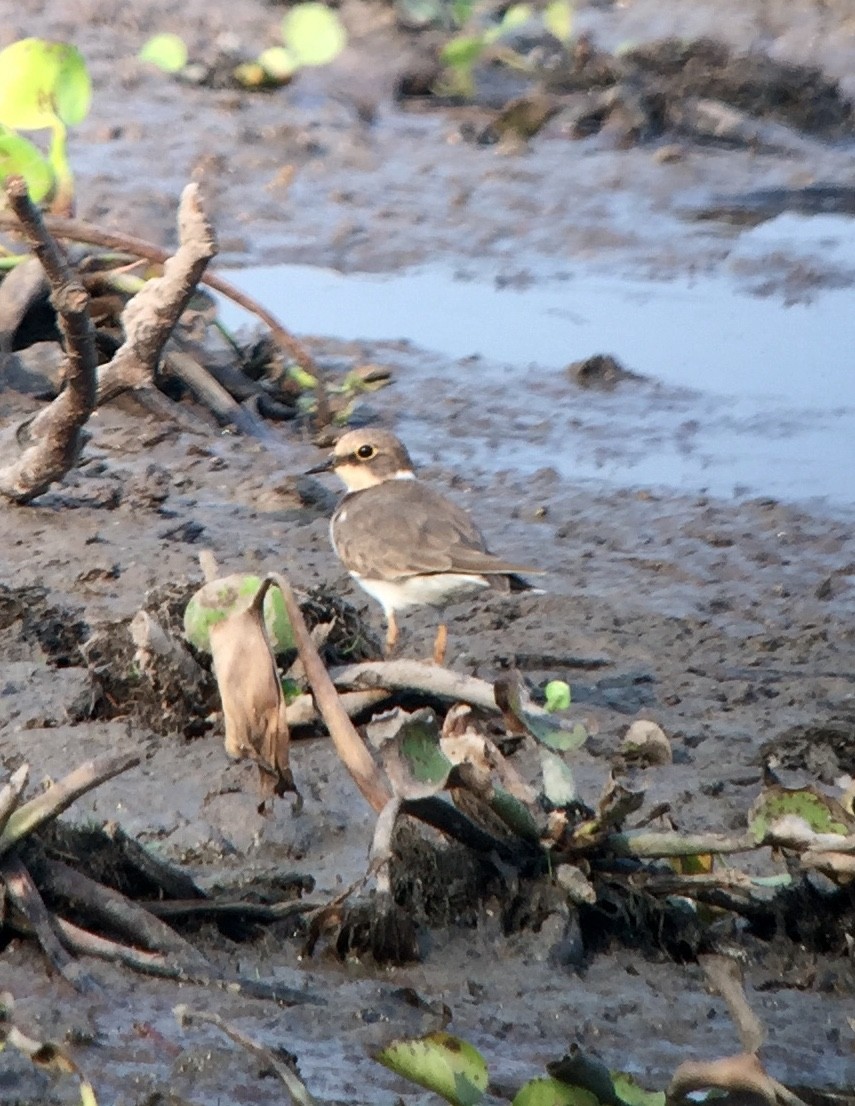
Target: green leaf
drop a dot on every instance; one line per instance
(19, 157)
(42, 82)
(634, 1095)
(87, 1094)
(279, 63)
(167, 51)
(463, 51)
(313, 34)
(218, 599)
(558, 19)
(559, 787)
(550, 1092)
(514, 814)
(447, 1065)
(515, 16)
(543, 728)
(301, 377)
(557, 695)
(461, 11)
(419, 745)
(821, 813)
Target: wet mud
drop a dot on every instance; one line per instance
(727, 621)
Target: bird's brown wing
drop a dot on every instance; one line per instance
(404, 528)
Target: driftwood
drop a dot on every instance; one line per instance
(23, 894)
(296, 1088)
(166, 954)
(77, 231)
(149, 318)
(51, 442)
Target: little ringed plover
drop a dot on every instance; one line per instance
(403, 542)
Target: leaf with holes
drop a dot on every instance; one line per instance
(446, 1065)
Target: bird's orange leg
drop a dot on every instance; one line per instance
(441, 644)
(391, 634)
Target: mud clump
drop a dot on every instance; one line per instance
(33, 628)
(823, 749)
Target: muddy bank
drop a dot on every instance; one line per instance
(730, 625)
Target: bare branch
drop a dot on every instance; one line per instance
(349, 745)
(116, 911)
(53, 439)
(24, 895)
(646, 845)
(405, 675)
(294, 1085)
(59, 796)
(11, 793)
(212, 393)
(78, 231)
(725, 975)
(149, 318)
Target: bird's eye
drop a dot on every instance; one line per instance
(365, 452)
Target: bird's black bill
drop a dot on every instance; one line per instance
(324, 466)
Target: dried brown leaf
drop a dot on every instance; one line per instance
(251, 694)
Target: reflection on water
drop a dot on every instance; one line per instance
(771, 402)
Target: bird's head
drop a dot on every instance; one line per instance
(363, 458)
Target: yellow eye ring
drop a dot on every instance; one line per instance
(365, 452)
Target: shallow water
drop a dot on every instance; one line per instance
(758, 396)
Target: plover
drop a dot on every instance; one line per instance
(403, 542)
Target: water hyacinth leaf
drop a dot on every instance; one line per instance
(820, 813)
(559, 787)
(313, 34)
(218, 599)
(167, 51)
(634, 1095)
(279, 63)
(535, 720)
(515, 16)
(557, 694)
(442, 1063)
(42, 83)
(546, 1091)
(419, 744)
(19, 157)
(558, 19)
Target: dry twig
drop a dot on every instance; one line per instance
(52, 440)
(59, 796)
(150, 317)
(295, 1086)
(77, 231)
(24, 895)
(349, 745)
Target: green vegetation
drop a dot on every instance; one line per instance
(462, 53)
(456, 1071)
(167, 51)
(43, 86)
(312, 34)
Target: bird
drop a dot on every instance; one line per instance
(403, 542)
